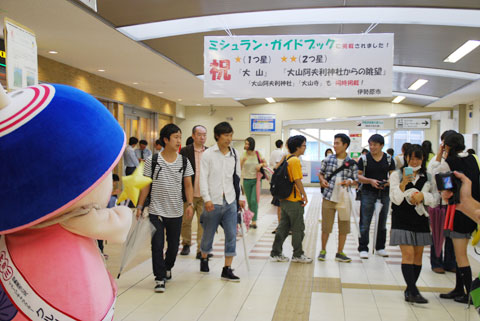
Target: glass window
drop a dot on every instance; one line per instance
(311, 152)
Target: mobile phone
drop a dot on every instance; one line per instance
(408, 171)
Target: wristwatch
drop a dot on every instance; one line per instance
(190, 204)
(140, 207)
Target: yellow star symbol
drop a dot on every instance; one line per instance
(293, 58)
(284, 59)
(133, 184)
(237, 59)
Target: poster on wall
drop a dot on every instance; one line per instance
(21, 55)
(348, 66)
(355, 147)
(262, 123)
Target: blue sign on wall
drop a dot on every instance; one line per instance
(262, 123)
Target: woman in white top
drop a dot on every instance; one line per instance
(251, 163)
(410, 223)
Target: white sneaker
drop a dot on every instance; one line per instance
(279, 258)
(160, 286)
(382, 253)
(302, 259)
(363, 254)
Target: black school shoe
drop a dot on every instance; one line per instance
(227, 275)
(462, 299)
(415, 298)
(452, 294)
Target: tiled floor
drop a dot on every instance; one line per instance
(365, 289)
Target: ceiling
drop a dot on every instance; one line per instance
(89, 41)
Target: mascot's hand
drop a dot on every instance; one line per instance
(111, 224)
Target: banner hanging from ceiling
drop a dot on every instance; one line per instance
(21, 55)
(348, 66)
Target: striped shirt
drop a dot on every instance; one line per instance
(166, 198)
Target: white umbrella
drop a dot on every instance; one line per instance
(141, 230)
(240, 220)
(355, 208)
(378, 209)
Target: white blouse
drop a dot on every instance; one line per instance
(431, 197)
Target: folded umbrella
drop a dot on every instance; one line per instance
(437, 220)
(142, 230)
(378, 209)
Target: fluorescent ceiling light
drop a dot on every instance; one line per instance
(201, 77)
(179, 99)
(270, 100)
(417, 84)
(135, 83)
(437, 72)
(53, 52)
(315, 16)
(414, 96)
(462, 51)
(160, 92)
(101, 70)
(393, 115)
(398, 99)
(333, 98)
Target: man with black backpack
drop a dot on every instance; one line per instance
(338, 172)
(287, 186)
(171, 173)
(373, 171)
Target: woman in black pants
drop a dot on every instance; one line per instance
(463, 226)
(410, 224)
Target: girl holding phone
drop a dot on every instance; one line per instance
(410, 192)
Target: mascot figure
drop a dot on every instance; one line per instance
(58, 147)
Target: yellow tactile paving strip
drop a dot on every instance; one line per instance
(295, 298)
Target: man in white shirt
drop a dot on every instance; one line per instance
(275, 158)
(277, 154)
(143, 152)
(220, 190)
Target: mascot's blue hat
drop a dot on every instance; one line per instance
(56, 144)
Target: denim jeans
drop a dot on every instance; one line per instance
(171, 227)
(367, 210)
(226, 216)
(446, 260)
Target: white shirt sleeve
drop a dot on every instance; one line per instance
(204, 173)
(430, 195)
(396, 194)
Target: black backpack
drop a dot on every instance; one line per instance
(280, 184)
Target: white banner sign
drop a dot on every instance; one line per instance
(21, 56)
(299, 66)
(412, 123)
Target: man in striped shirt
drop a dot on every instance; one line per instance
(172, 173)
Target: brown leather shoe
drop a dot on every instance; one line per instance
(438, 270)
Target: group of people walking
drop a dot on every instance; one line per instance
(409, 193)
(206, 182)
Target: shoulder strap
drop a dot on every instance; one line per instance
(335, 172)
(364, 159)
(154, 163)
(389, 160)
(258, 157)
(184, 164)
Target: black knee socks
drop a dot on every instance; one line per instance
(466, 275)
(417, 269)
(408, 272)
(458, 280)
